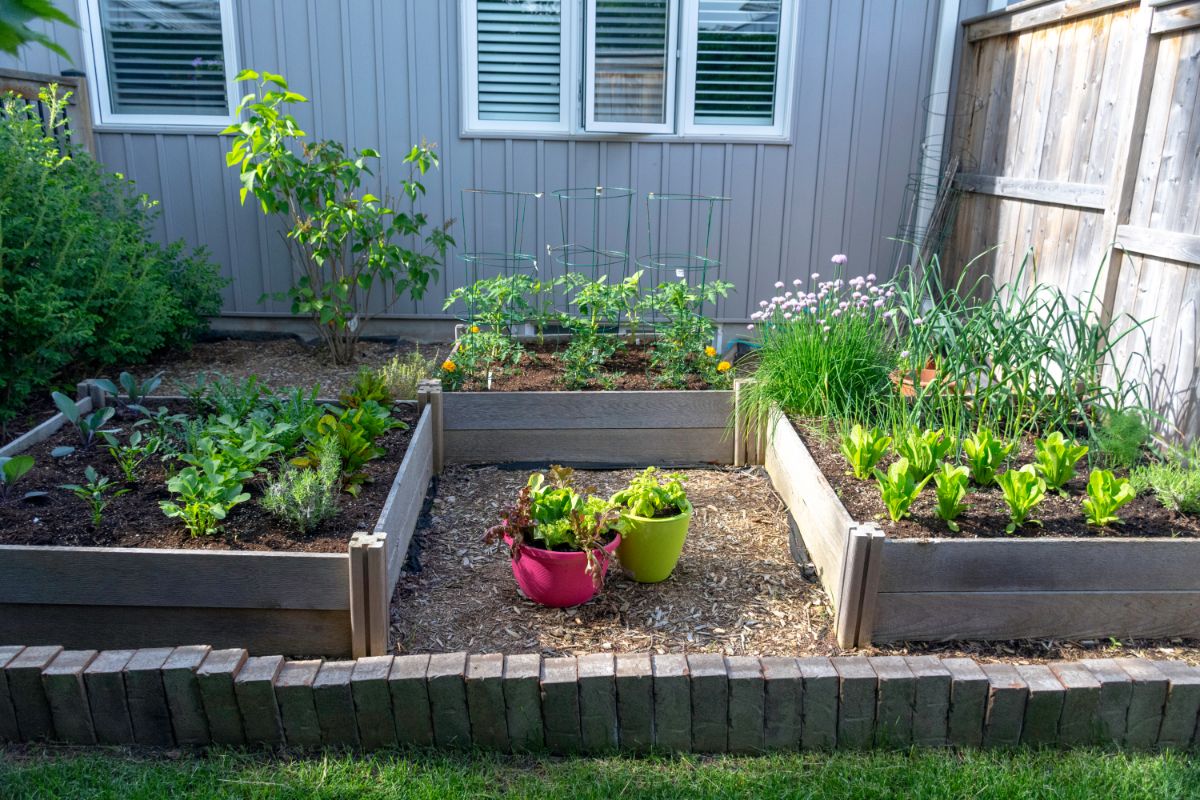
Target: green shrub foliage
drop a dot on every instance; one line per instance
(81, 282)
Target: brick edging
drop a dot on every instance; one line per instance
(594, 703)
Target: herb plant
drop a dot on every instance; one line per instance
(304, 498)
(1175, 480)
(862, 448)
(87, 425)
(1106, 493)
(950, 482)
(1023, 489)
(924, 450)
(97, 492)
(1056, 460)
(402, 374)
(985, 454)
(899, 488)
(653, 494)
(1121, 437)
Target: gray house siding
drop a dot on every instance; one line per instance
(385, 73)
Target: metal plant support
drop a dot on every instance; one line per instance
(486, 205)
(594, 254)
(698, 261)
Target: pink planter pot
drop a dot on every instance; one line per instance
(558, 580)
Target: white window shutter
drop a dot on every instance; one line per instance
(737, 62)
(164, 57)
(519, 46)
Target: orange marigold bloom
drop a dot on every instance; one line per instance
(724, 366)
(449, 365)
(474, 329)
(710, 351)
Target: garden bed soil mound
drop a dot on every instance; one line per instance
(736, 589)
(135, 519)
(987, 513)
(541, 369)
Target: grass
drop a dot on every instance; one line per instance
(50, 773)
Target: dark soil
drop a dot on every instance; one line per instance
(135, 519)
(36, 411)
(987, 514)
(541, 369)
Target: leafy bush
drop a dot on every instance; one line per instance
(82, 281)
(303, 498)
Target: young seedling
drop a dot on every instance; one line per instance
(924, 450)
(985, 454)
(98, 492)
(12, 469)
(1056, 460)
(87, 425)
(863, 448)
(951, 484)
(135, 391)
(899, 488)
(1106, 493)
(1023, 489)
(133, 453)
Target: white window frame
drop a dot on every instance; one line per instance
(784, 76)
(568, 78)
(97, 69)
(669, 81)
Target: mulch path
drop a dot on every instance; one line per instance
(135, 519)
(541, 369)
(988, 514)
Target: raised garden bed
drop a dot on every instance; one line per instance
(541, 369)
(319, 595)
(889, 588)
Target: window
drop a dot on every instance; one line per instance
(161, 62)
(666, 67)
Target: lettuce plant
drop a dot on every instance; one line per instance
(863, 448)
(1023, 489)
(924, 450)
(951, 485)
(651, 494)
(985, 454)
(899, 488)
(1056, 460)
(1106, 493)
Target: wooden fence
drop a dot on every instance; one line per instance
(1080, 139)
(79, 115)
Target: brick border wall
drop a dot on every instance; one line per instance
(590, 704)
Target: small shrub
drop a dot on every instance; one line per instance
(862, 448)
(898, 488)
(985, 455)
(1056, 460)
(951, 484)
(1121, 438)
(303, 498)
(1023, 489)
(1106, 493)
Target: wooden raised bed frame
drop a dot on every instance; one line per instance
(329, 604)
(888, 590)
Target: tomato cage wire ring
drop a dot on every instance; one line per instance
(606, 210)
(694, 259)
(496, 217)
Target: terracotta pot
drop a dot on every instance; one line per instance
(559, 579)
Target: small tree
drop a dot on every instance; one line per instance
(346, 243)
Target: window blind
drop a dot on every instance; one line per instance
(630, 70)
(737, 61)
(164, 56)
(520, 59)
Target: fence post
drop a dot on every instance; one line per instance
(429, 393)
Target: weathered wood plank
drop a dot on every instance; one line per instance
(399, 516)
(1002, 23)
(1175, 18)
(944, 616)
(1076, 195)
(1159, 243)
(1047, 565)
(823, 521)
(99, 627)
(42, 432)
(591, 446)
(485, 411)
(186, 578)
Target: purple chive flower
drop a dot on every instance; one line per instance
(840, 258)
(825, 329)
(871, 276)
(904, 354)
(918, 321)
(750, 327)
(778, 284)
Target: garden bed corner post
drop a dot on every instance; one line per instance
(859, 582)
(429, 393)
(749, 435)
(370, 596)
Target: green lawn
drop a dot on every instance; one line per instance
(55, 773)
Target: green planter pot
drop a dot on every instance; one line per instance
(650, 548)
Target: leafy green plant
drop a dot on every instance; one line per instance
(924, 450)
(12, 470)
(133, 453)
(1023, 489)
(354, 432)
(862, 448)
(1106, 493)
(653, 494)
(1056, 460)
(950, 481)
(347, 242)
(86, 425)
(683, 333)
(1121, 438)
(214, 393)
(132, 394)
(401, 375)
(98, 491)
(985, 455)
(594, 340)
(898, 488)
(85, 281)
(208, 490)
(304, 498)
(1175, 481)
(368, 384)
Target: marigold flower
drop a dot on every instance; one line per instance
(724, 366)
(449, 365)
(474, 329)
(710, 351)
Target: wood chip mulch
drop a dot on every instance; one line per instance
(735, 591)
